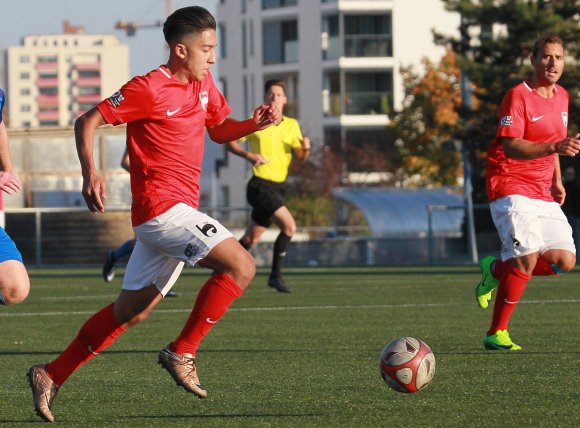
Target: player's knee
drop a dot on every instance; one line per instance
(567, 263)
(289, 229)
(244, 270)
(15, 288)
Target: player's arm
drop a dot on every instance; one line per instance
(125, 161)
(9, 183)
(519, 148)
(303, 152)
(254, 158)
(232, 129)
(558, 191)
(94, 188)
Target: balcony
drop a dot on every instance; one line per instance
(92, 66)
(356, 103)
(88, 82)
(367, 46)
(48, 100)
(88, 98)
(50, 115)
(50, 82)
(46, 66)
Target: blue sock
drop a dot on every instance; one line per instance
(124, 250)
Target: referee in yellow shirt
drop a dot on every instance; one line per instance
(270, 152)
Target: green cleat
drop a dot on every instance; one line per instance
(500, 341)
(487, 284)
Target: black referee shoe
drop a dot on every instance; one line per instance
(279, 284)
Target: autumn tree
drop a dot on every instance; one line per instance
(420, 132)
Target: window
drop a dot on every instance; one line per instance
(24, 91)
(272, 4)
(24, 59)
(330, 41)
(24, 108)
(368, 36)
(89, 73)
(25, 75)
(48, 91)
(89, 90)
(221, 48)
(368, 92)
(280, 42)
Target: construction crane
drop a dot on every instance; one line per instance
(132, 27)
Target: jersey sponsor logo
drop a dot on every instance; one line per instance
(536, 118)
(207, 229)
(515, 241)
(116, 99)
(565, 118)
(505, 121)
(204, 99)
(171, 113)
(191, 250)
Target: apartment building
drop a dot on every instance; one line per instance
(340, 60)
(52, 79)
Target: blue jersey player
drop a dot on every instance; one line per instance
(14, 282)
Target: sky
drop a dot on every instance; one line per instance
(28, 17)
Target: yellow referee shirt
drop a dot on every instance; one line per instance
(275, 144)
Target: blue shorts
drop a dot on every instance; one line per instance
(8, 250)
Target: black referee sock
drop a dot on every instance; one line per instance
(280, 247)
(243, 244)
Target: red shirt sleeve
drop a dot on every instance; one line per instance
(512, 116)
(130, 103)
(218, 108)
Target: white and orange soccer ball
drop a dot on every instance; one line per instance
(407, 364)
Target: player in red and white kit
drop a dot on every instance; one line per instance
(525, 189)
(166, 112)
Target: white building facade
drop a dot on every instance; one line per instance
(340, 61)
(52, 79)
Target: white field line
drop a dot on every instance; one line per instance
(291, 308)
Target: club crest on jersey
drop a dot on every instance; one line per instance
(116, 99)
(204, 99)
(565, 118)
(505, 121)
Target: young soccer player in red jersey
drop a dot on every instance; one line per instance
(525, 190)
(166, 112)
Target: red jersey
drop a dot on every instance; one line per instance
(526, 114)
(166, 121)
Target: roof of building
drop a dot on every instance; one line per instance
(394, 212)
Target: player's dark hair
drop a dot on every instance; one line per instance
(274, 82)
(545, 39)
(187, 20)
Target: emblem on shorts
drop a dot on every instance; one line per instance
(191, 250)
(565, 118)
(515, 241)
(207, 229)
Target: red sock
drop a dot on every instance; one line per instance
(543, 268)
(213, 300)
(96, 334)
(510, 289)
(500, 267)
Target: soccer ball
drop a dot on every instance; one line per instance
(407, 364)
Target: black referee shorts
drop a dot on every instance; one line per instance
(265, 197)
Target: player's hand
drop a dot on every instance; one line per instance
(558, 192)
(266, 115)
(569, 146)
(257, 159)
(9, 183)
(94, 192)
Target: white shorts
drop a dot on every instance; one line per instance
(180, 235)
(527, 226)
